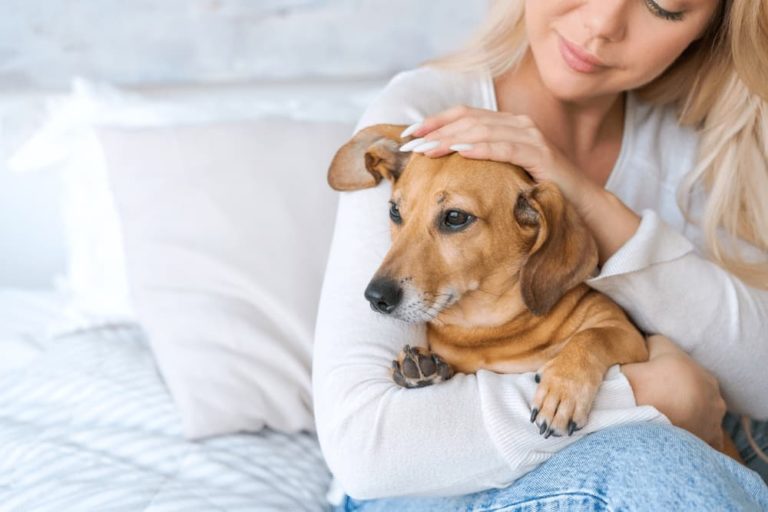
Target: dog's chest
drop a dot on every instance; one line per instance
(513, 357)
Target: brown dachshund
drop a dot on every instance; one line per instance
(496, 265)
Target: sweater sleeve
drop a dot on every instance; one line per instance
(465, 435)
(662, 282)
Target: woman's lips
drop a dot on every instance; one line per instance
(577, 59)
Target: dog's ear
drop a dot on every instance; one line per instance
(563, 252)
(371, 154)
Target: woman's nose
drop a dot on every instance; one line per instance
(606, 19)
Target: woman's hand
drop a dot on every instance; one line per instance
(503, 137)
(678, 387)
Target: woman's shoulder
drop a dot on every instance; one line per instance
(411, 95)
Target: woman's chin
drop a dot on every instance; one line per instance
(566, 89)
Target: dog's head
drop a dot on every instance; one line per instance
(463, 228)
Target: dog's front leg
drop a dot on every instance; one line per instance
(569, 382)
(415, 368)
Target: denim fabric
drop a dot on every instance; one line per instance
(732, 425)
(634, 467)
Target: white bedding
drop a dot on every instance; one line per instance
(86, 424)
(26, 318)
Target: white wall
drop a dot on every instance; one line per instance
(42, 43)
(32, 244)
(142, 43)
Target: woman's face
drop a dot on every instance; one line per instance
(633, 40)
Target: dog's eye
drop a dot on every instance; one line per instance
(394, 213)
(457, 219)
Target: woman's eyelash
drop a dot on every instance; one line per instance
(662, 13)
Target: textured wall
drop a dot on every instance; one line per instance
(42, 43)
(141, 43)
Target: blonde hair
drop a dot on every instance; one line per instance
(719, 86)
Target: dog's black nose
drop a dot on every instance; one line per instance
(384, 295)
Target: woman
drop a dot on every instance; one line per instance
(628, 107)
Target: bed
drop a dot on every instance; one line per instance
(87, 424)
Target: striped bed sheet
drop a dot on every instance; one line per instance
(86, 424)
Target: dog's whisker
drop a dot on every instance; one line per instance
(425, 312)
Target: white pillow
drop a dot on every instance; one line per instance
(226, 229)
(68, 143)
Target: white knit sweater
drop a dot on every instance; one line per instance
(473, 432)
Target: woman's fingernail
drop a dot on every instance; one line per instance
(410, 145)
(461, 147)
(411, 129)
(423, 148)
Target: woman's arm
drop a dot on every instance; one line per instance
(611, 222)
(655, 274)
(696, 403)
(465, 435)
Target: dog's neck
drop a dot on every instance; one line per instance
(463, 336)
(494, 302)
(506, 321)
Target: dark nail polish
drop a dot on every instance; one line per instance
(537, 378)
(534, 413)
(571, 427)
(543, 427)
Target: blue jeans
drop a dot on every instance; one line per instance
(634, 467)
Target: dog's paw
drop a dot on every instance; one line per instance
(415, 367)
(564, 397)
